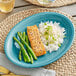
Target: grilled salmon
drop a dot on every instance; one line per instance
(35, 40)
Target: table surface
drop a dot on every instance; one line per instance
(23, 5)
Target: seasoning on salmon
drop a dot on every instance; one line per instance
(35, 40)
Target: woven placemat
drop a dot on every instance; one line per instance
(66, 65)
(57, 3)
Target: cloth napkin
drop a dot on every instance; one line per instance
(24, 71)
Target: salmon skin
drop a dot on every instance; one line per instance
(35, 40)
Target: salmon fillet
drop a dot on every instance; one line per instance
(35, 40)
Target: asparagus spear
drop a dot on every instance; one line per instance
(20, 57)
(31, 58)
(22, 49)
(23, 36)
(33, 54)
(24, 58)
(26, 38)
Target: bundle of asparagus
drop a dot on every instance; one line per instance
(28, 54)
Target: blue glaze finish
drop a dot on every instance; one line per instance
(12, 52)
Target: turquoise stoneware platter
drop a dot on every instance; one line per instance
(12, 52)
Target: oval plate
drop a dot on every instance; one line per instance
(12, 52)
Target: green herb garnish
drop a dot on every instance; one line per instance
(58, 36)
(53, 38)
(47, 44)
(51, 42)
(45, 23)
(45, 33)
(49, 28)
(46, 37)
(59, 45)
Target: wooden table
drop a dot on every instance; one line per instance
(22, 5)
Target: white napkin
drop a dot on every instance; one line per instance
(24, 71)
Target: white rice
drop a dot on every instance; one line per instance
(52, 35)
